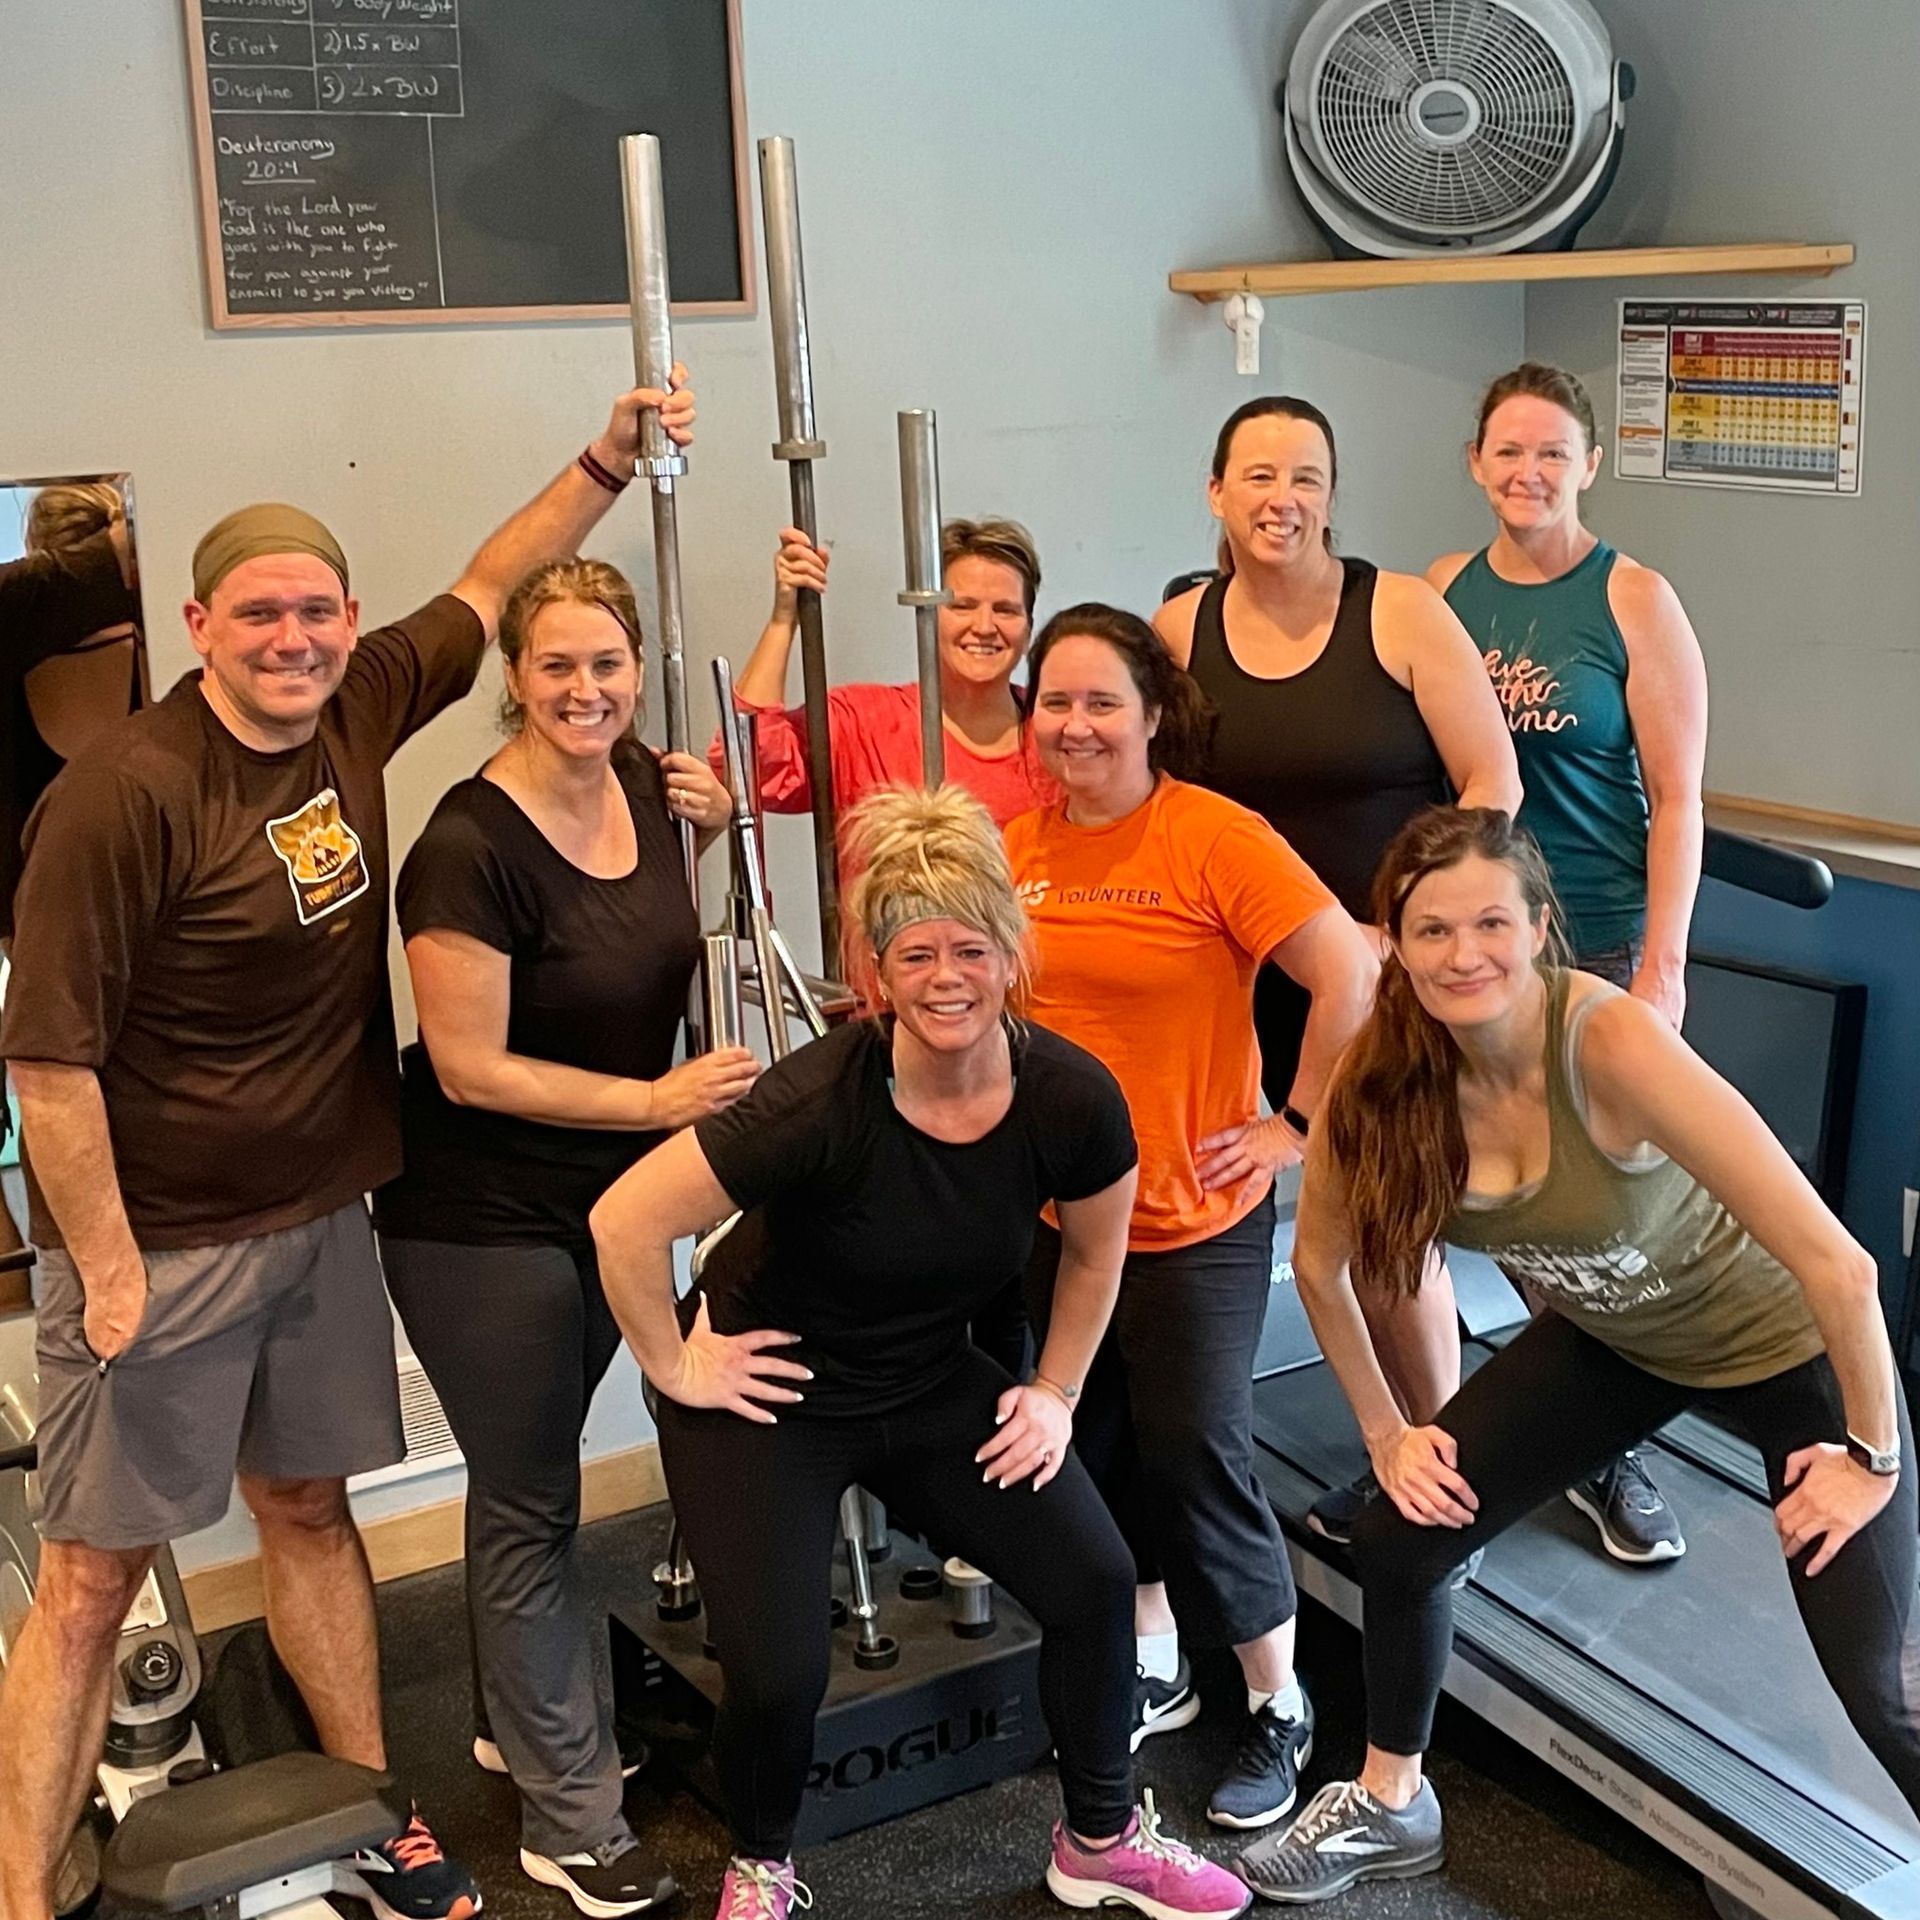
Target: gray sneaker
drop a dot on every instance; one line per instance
(1631, 1514)
(1344, 1836)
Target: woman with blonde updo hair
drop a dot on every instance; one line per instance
(890, 1177)
(551, 943)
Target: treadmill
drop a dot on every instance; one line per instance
(1683, 1695)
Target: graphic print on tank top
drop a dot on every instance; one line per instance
(1532, 695)
(1614, 1278)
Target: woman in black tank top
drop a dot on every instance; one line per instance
(1350, 700)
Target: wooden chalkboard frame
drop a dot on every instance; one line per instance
(226, 320)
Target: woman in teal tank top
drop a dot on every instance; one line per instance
(1605, 694)
(1498, 1100)
(1602, 682)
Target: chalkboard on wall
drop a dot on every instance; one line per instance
(382, 162)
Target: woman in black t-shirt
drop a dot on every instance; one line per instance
(552, 944)
(890, 1177)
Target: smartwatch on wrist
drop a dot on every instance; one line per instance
(1297, 1120)
(1882, 1465)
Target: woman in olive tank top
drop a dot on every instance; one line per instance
(1349, 700)
(1606, 696)
(1500, 1101)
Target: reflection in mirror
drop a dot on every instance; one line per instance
(75, 683)
(72, 661)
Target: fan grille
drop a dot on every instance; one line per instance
(1466, 181)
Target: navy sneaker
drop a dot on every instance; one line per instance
(1159, 1706)
(606, 1884)
(1332, 1516)
(1264, 1780)
(409, 1878)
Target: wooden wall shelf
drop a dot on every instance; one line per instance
(1598, 263)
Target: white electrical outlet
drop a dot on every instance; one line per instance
(1909, 1205)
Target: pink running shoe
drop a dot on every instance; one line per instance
(761, 1890)
(1147, 1871)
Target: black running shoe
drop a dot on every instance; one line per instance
(1631, 1514)
(1159, 1706)
(1332, 1516)
(1344, 1836)
(1264, 1780)
(603, 1889)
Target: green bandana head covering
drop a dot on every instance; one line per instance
(253, 531)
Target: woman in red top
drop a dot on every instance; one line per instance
(994, 573)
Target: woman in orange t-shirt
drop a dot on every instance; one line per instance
(1154, 904)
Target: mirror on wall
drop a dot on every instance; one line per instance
(73, 660)
(94, 677)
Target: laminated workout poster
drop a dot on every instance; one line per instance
(1742, 394)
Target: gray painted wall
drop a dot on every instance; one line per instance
(1773, 120)
(991, 211)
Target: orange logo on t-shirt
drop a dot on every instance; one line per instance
(325, 864)
(1032, 892)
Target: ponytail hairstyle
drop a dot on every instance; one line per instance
(1535, 380)
(572, 581)
(1282, 406)
(1393, 1117)
(68, 512)
(932, 854)
(1183, 743)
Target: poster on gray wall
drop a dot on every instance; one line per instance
(1757, 393)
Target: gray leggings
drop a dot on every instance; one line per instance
(515, 1339)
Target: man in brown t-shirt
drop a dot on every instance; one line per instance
(200, 1029)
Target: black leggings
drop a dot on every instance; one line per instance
(1547, 1411)
(759, 1507)
(1166, 1426)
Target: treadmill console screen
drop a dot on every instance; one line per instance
(1791, 1044)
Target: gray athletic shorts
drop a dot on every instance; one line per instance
(273, 1355)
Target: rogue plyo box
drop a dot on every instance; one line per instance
(951, 1715)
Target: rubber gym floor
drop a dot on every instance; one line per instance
(1523, 1844)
